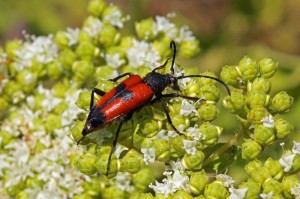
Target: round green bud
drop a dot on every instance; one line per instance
(250, 149)
(149, 128)
(162, 196)
(204, 80)
(108, 35)
(113, 192)
(192, 88)
(11, 47)
(179, 120)
(66, 58)
(104, 72)
(193, 162)
(54, 70)
(53, 122)
(260, 175)
(27, 80)
(101, 150)
(13, 92)
(131, 162)
(211, 133)
(85, 50)
(162, 149)
(189, 48)
(162, 47)
(82, 70)
(86, 164)
(253, 189)
(252, 166)
(210, 92)
(177, 149)
(264, 135)
(76, 132)
(283, 128)
(208, 112)
(22, 195)
(4, 105)
(102, 166)
(229, 75)
(216, 189)
(6, 138)
(137, 195)
(84, 36)
(61, 39)
(247, 69)
(256, 98)
(144, 29)
(180, 194)
(198, 181)
(235, 102)
(105, 85)
(274, 168)
(288, 182)
(83, 100)
(143, 178)
(256, 114)
(260, 84)
(267, 67)
(96, 7)
(14, 189)
(272, 185)
(281, 102)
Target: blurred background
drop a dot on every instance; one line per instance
(227, 30)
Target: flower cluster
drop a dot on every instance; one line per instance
(45, 94)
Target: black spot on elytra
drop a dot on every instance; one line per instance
(120, 87)
(126, 95)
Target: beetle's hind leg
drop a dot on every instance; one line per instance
(120, 76)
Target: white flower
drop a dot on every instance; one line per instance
(72, 35)
(296, 148)
(100, 135)
(296, 191)
(119, 150)
(93, 27)
(149, 155)
(122, 181)
(162, 24)
(187, 108)
(185, 34)
(266, 195)
(226, 179)
(195, 133)
(237, 193)
(268, 121)
(190, 146)
(114, 60)
(115, 18)
(287, 161)
(177, 165)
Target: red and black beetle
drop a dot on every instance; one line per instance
(132, 94)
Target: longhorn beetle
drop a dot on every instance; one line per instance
(131, 95)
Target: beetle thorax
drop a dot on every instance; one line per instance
(158, 82)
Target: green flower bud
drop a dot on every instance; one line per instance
(12, 90)
(137, 195)
(113, 192)
(274, 168)
(198, 181)
(180, 194)
(179, 120)
(76, 134)
(61, 39)
(27, 80)
(83, 100)
(86, 164)
(4, 106)
(283, 128)
(6, 138)
(162, 196)
(247, 69)
(272, 185)
(53, 121)
(253, 189)
(229, 75)
(86, 50)
(162, 149)
(96, 7)
(252, 166)
(104, 72)
(66, 58)
(108, 35)
(189, 48)
(84, 36)
(281, 102)
(143, 178)
(211, 133)
(256, 98)
(54, 70)
(131, 162)
(260, 84)
(162, 47)
(193, 162)
(256, 114)
(149, 128)
(216, 189)
(105, 85)
(177, 149)
(144, 29)
(83, 196)
(210, 92)
(288, 182)
(208, 112)
(267, 67)
(13, 190)
(82, 71)
(250, 149)
(101, 165)
(260, 175)
(264, 135)
(235, 102)
(11, 47)
(101, 150)
(22, 195)
(205, 81)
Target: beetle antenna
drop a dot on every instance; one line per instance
(209, 77)
(173, 46)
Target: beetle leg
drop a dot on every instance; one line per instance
(120, 76)
(172, 95)
(98, 92)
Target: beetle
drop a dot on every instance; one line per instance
(132, 94)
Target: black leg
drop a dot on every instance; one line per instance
(113, 146)
(98, 92)
(172, 95)
(120, 76)
(160, 67)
